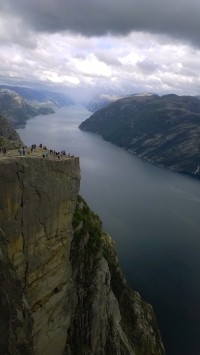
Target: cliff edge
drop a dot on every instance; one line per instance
(62, 291)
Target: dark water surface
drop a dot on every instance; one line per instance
(152, 214)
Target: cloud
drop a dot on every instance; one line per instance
(14, 30)
(98, 18)
(101, 47)
(147, 66)
(134, 63)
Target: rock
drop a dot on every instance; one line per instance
(61, 288)
(15, 320)
(37, 201)
(109, 317)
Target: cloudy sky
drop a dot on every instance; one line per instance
(86, 47)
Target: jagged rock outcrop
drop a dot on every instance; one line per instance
(62, 291)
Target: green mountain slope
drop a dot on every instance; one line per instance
(17, 109)
(163, 130)
(53, 98)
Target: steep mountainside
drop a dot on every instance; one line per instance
(17, 109)
(163, 130)
(109, 317)
(9, 138)
(101, 101)
(52, 98)
(61, 288)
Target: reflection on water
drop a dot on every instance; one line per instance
(151, 213)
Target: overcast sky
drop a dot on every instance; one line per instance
(105, 46)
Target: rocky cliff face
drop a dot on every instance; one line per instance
(62, 291)
(37, 201)
(109, 317)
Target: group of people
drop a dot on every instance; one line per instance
(59, 155)
(23, 151)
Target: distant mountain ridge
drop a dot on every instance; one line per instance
(100, 101)
(17, 109)
(164, 130)
(20, 103)
(54, 98)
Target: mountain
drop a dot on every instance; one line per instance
(163, 130)
(17, 109)
(9, 138)
(61, 288)
(100, 101)
(52, 98)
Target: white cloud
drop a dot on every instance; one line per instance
(132, 63)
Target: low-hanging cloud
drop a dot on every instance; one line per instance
(97, 18)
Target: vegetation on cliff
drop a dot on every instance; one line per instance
(126, 324)
(163, 130)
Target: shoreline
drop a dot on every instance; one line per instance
(187, 173)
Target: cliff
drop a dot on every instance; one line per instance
(163, 130)
(9, 138)
(109, 317)
(61, 288)
(37, 201)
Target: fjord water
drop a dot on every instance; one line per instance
(152, 214)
